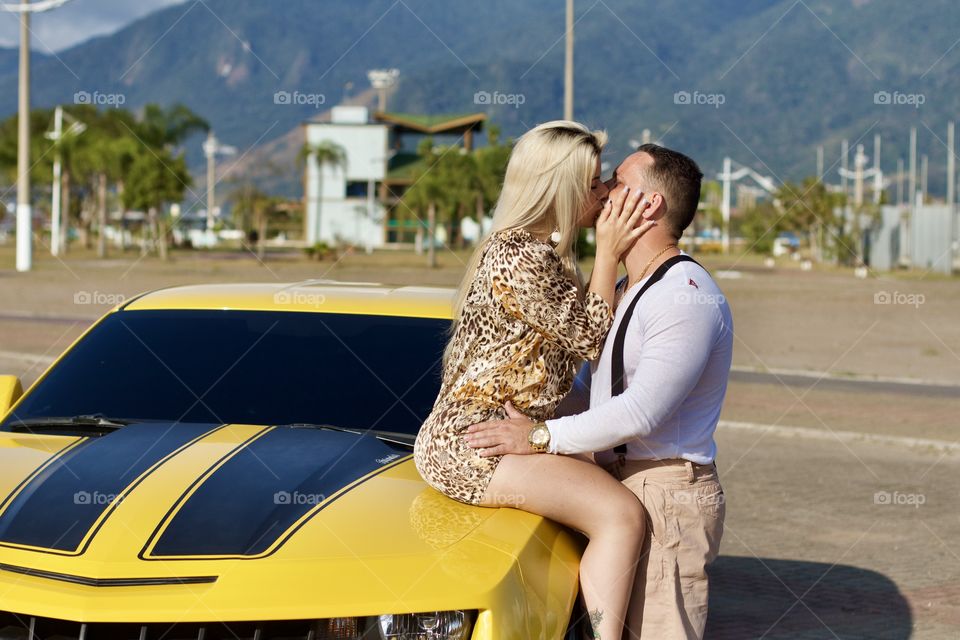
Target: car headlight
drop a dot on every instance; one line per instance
(431, 625)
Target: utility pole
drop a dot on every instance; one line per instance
(859, 162)
(725, 206)
(877, 171)
(900, 182)
(820, 163)
(912, 190)
(924, 168)
(844, 165)
(568, 67)
(951, 165)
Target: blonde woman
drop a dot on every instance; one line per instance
(523, 323)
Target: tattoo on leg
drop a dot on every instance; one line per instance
(596, 617)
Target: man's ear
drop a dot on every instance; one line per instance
(657, 208)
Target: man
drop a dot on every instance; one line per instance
(675, 357)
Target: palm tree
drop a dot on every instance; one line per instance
(323, 153)
(166, 128)
(105, 157)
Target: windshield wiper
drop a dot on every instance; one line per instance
(86, 423)
(387, 436)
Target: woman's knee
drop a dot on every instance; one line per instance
(627, 513)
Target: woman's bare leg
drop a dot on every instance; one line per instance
(583, 496)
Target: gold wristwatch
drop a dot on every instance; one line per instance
(539, 437)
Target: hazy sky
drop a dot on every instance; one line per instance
(76, 21)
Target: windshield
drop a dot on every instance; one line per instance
(253, 367)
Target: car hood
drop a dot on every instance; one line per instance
(217, 509)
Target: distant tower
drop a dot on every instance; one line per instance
(382, 80)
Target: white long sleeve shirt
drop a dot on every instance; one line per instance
(677, 356)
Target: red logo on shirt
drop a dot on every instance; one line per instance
(693, 284)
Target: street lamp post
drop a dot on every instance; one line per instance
(728, 177)
(24, 211)
(57, 222)
(212, 147)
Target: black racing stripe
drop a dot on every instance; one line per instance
(249, 502)
(60, 505)
(46, 463)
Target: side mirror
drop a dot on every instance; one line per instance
(10, 392)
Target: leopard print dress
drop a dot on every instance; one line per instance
(522, 333)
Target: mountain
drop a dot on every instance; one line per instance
(9, 63)
(764, 81)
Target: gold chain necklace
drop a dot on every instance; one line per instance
(649, 264)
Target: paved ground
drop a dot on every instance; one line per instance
(842, 491)
(836, 539)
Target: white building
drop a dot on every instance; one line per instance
(355, 203)
(340, 202)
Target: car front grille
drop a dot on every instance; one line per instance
(15, 626)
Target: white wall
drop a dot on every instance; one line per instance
(366, 152)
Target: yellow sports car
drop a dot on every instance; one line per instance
(234, 462)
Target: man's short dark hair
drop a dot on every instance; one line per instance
(678, 177)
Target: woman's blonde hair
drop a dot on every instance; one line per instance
(546, 187)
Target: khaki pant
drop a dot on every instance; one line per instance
(685, 511)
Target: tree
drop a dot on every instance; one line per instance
(254, 208)
(491, 162)
(451, 181)
(104, 157)
(424, 194)
(810, 210)
(324, 153)
(155, 179)
(761, 225)
(161, 128)
(112, 145)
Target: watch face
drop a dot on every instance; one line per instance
(541, 436)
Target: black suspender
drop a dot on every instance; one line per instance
(617, 377)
